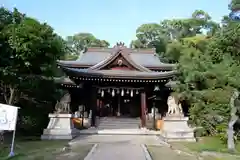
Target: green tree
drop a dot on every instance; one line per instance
(169, 35)
(150, 36)
(29, 49)
(81, 41)
(234, 5)
(173, 51)
(136, 44)
(208, 78)
(226, 42)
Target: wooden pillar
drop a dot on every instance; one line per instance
(119, 105)
(93, 107)
(143, 108)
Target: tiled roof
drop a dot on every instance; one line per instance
(145, 59)
(118, 73)
(148, 60)
(92, 58)
(63, 80)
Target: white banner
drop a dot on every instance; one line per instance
(8, 117)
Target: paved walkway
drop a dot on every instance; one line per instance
(119, 151)
(126, 147)
(117, 147)
(125, 139)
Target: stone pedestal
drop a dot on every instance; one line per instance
(60, 126)
(175, 128)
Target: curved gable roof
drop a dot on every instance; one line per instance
(123, 53)
(129, 74)
(146, 58)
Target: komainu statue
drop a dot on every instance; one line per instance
(63, 106)
(174, 106)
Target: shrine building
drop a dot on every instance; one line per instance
(117, 82)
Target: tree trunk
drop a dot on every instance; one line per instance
(10, 94)
(233, 119)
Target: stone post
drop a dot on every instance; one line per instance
(60, 126)
(175, 126)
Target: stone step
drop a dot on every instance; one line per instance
(122, 120)
(116, 119)
(119, 118)
(119, 123)
(110, 122)
(110, 128)
(120, 126)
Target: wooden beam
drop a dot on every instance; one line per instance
(143, 108)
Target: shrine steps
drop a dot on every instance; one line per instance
(138, 131)
(109, 123)
(118, 126)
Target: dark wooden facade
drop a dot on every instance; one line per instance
(119, 72)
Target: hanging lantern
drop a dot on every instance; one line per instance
(156, 88)
(118, 91)
(131, 94)
(127, 92)
(122, 93)
(109, 90)
(137, 92)
(113, 93)
(99, 91)
(102, 93)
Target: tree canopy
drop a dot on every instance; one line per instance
(207, 57)
(80, 41)
(29, 49)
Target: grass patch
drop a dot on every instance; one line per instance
(32, 148)
(211, 144)
(208, 144)
(28, 146)
(82, 151)
(165, 153)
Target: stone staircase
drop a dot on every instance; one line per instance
(109, 123)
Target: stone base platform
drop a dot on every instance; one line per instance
(60, 126)
(92, 131)
(57, 137)
(175, 128)
(50, 134)
(178, 136)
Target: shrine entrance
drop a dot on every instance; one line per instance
(111, 104)
(119, 84)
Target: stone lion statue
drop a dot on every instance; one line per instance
(63, 106)
(174, 107)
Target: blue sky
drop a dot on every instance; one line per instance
(112, 20)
